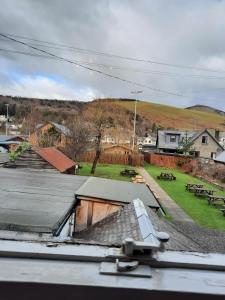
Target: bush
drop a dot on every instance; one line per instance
(23, 147)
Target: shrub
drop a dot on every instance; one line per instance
(23, 147)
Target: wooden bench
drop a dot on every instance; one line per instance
(191, 187)
(138, 179)
(166, 176)
(128, 172)
(200, 192)
(223, 210)
(215, 199)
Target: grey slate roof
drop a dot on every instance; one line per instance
(7, 138)
(221, 157)
(58, 126)
(184, 236)
(114, 228)
(63, 129)
(118, 191)
(36, 201)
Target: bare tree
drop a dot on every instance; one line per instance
(185, 145)
(32, 119)
(100, 119)
(78, 139)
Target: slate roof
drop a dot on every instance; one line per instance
(7, 138)
(114, 228)
(117, 191)
(56, 158)
(63, 129)
(184, 236)
(34, 201)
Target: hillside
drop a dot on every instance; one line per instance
(178, 118)
(206, 108)
(149, 115)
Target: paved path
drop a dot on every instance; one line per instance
(168, 203)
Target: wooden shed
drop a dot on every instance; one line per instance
(118, 149)
(49, 133)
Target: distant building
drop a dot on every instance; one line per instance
(203, 143)
(49, 133)
(115, 139)
(118, 149)
(10, 142)
(146, 141)
(108, 139)
(3, 118)
(146, 144)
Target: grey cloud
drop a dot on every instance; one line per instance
(178, 32)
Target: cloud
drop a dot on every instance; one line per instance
(176, 32)
(45, 87)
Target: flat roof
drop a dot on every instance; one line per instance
(36, 201)
(117, 191)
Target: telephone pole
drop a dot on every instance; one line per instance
(7, 119)
(135, 116)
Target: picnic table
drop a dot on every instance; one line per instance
(128, 172)
(215, 199)
(223, 210)
(201, 192)
(191, 187)
(166, 176)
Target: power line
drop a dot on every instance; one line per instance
(113, 67)
(25, 53)
(92, 69)
(63, 46)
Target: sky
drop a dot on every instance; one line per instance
(179, 47)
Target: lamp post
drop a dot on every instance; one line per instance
(7, 119)
(135, 116)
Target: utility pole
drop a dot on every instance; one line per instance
(135, 116)
(7, 119)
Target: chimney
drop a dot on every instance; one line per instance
(217, 134)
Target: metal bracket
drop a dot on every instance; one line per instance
(128, 268)
(153, 241)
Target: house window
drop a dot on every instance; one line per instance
(213, 155)
(204, 139)
(173, 138)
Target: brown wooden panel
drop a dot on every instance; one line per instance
(91, 212)
(81, 216)
(102, 210)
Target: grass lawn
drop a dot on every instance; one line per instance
(105, 171)
(197, 208)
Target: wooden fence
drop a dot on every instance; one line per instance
(167, 161)
(109, 158)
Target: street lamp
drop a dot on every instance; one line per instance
(135, 115)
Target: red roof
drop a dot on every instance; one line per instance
(56, 158)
